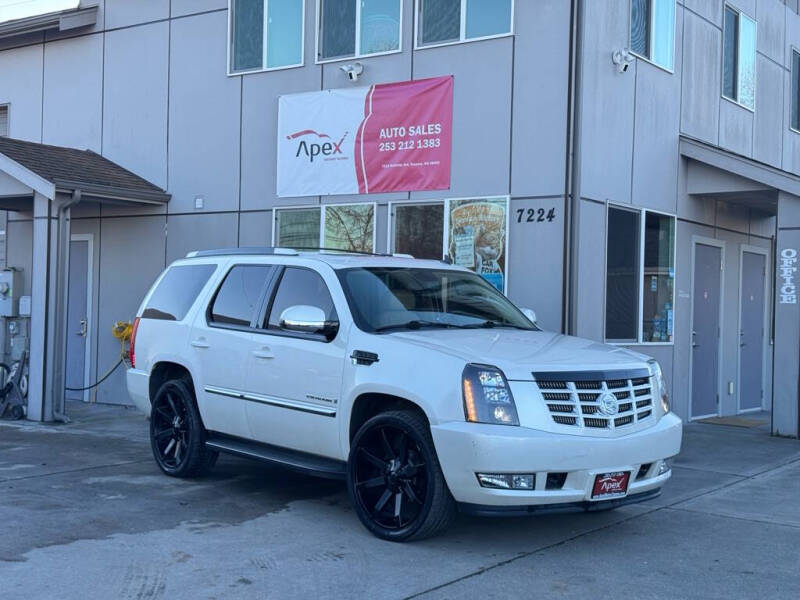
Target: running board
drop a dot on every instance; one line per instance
(311, 464)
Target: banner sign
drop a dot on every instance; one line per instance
(393, 137)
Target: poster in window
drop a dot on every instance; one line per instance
(477, 237)
(349, 227)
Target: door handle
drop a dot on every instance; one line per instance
(694, 344)
(201, 343)
(741, 339)
(264, 353)
(82, 332)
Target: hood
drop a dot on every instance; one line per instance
(518, 353)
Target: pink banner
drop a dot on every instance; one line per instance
(406, 137)
(393, 137)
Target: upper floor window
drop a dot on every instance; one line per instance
(739, 58)
(352, 28)
(4, 120)
(266, 34)
(653, 31)
(450, 21)
(795, 90)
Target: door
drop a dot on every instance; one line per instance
(706, 329)
(77, 317)
(296, 378)
(751, 332)
(221, 340)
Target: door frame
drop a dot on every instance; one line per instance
(87, 361)
(706, 241)
(764, 324)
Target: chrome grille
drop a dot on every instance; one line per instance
(577, 401)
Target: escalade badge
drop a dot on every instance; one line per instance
(609, 405)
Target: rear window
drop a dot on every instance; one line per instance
(176, 292)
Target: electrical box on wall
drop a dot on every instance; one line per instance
(10, 290)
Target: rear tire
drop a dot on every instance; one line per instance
(395, 481)
(177, 435)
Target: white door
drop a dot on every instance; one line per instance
(78, 312)
(295, 379)
(221, 340)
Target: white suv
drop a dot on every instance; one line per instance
(414, 380)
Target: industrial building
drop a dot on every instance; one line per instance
(639, 160)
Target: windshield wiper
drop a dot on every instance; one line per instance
(488, 324)
(415, 324)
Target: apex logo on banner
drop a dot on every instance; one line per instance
(384, 138)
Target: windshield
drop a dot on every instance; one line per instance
(386, 299)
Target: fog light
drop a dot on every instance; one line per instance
(507, 481)
(664, 466)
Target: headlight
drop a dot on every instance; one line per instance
(487, 397)
(661, 385)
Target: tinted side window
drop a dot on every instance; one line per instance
(238, 299)
(301, 286)
(177, 291)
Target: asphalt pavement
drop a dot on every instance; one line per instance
(85, 513)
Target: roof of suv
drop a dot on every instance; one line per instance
(337, 259)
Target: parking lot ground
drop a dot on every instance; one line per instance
(85, 513)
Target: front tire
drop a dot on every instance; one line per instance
(395, 481)
(177, 435)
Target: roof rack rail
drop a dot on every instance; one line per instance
(251, 250)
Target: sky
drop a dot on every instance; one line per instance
(19, 9)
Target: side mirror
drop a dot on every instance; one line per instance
(530, 314)
(308, 319)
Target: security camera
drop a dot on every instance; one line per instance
(623, 59)
(353, 71)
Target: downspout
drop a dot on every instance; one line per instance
(572, 179)
(62, 258)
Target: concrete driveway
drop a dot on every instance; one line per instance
(85, 513)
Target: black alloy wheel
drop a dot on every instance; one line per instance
(177, 435)
(394, 478)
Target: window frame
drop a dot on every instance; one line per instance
(318, 60)
(7, 106)
(446, 225)
(269, 285)
(652, 37)
(321, 208)
(463, 32)
(264, 68)
(261, 324)
(794, 50)
(642, 212)
(740, 13)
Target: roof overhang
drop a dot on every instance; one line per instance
(63, 20)
(762, 177)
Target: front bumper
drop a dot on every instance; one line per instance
(465, 449)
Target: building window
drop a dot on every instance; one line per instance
(450, 21)
(739, 58)
(4, 120)
(622, 275)
(348, 227)
(468, 232)
(266, 34)
(354, 28)
(658, 292)
(418, 229)
(795, 90)
(653, 31)
(640, 277)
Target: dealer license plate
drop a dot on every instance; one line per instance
(611, 485)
